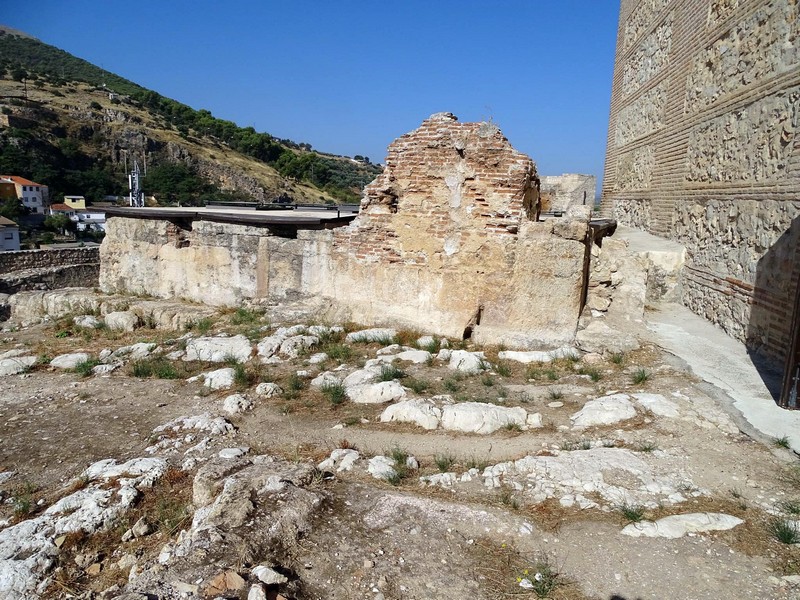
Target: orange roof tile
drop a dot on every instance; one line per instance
(20, 180)
(61, 207)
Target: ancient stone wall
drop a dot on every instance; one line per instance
(48, 269)
(447, 241)
(559, 192)
(703, 148)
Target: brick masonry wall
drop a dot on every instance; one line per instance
(49, 269)
(703, 148)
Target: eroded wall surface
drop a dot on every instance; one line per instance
(560, 192)
(447, 241)
(703, 148)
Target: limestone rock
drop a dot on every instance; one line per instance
(376, 393)
(69, 361)
(467, 362)
(219, 349)
(324, 379)
(318, 358)
(415, 356)
(361, 377)
(293, 346)
(372, 335)
(256, 592)
(121, 320)
(341, 459)
(267, 347)
(86, 321)
(599, 337)
(106, 369)
(381, 467)
(657, 404)
(16, 364)
(677, 526)
(268, 390)
(216, 380)
(424, 413)
(607, 410)
(268, 575)
(236, 403)
(136, 351)
(480, 417)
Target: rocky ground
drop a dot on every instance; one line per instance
(258, 454)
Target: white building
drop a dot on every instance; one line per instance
(9, 235)
(34, 196)
(89, 220)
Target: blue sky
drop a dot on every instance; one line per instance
(350, 76)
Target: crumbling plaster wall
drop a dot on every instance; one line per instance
(560, 192)
(703, 149)
(447, 241)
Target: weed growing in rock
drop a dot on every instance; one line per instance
(241, 377)
(735, 493)
(339, 352)
(451, 385)
(154, 367)
(632, 512)
(385, 340)
(503, 369)
(334, 392)
(244, 316)
(204, 325)
(507, 498)
(475, 463)
(84, 368)
(294, 383)
(390, 373)
(647, 447)
(790, 506)
(784, 531)
(555, 394)
(433, 346)
(444, 462)
(417, 385)
(781, 442)
(22, 499)
(513, 427)
(618, 358)
(541, 578)
(533, 373)
(593, 373)
(640, 376)
(398, 455)
(551, 374)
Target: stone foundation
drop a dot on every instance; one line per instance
(49, 269)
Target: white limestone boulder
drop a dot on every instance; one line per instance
(480, 417)
(293, 346)
(267, 347)
(372, 335)
(362, 376)
(599, 337)
(677, 526)
(136, 351)
(219, 349)
(86, 321)
(268, 390)
(607, 410)
(423, 413)
(123, 320)
(381, 467)
(221, 379)
(69, 361)
(236, 403)
(467, 362)
(324, 380)
(658, 405)
(418, 357)
(14, 365)
(318, 358)
(376, 393)
(341, 459)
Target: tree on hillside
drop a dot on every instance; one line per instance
(58, 222)
(11, 208)
(18, 74)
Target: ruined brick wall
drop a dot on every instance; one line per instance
(48, 269)
(703, 148)
(40, 259)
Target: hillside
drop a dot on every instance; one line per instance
(74, 127)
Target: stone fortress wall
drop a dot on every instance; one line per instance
(50, 268)
(447, 241)
(703, 148)
(559, 192)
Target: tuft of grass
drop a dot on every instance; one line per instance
(204, 325)
(647, 447)
(294, 384)
(618, 358)
(503, 369)
(508, 498)
(338, 351)
(398, 455)
(242, 378)
(791, 507)
(555, 394)
(244, 316)
(84, 368)
(784, 531)
(22, 499)
(593, 373)
(781, 442)
(451, 385)
(418, 386)
(640, 376)
(475, 463)
(334, 392)
(155, 367)
(433, 347)
(551, 374)
(444, 462)
(632, 512)
(390, 373)
(513, 427)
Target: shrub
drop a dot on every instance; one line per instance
(444, 462)
(390, 373)
(334, 392)
(84, 368)
(632, 512)
(784, 531)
